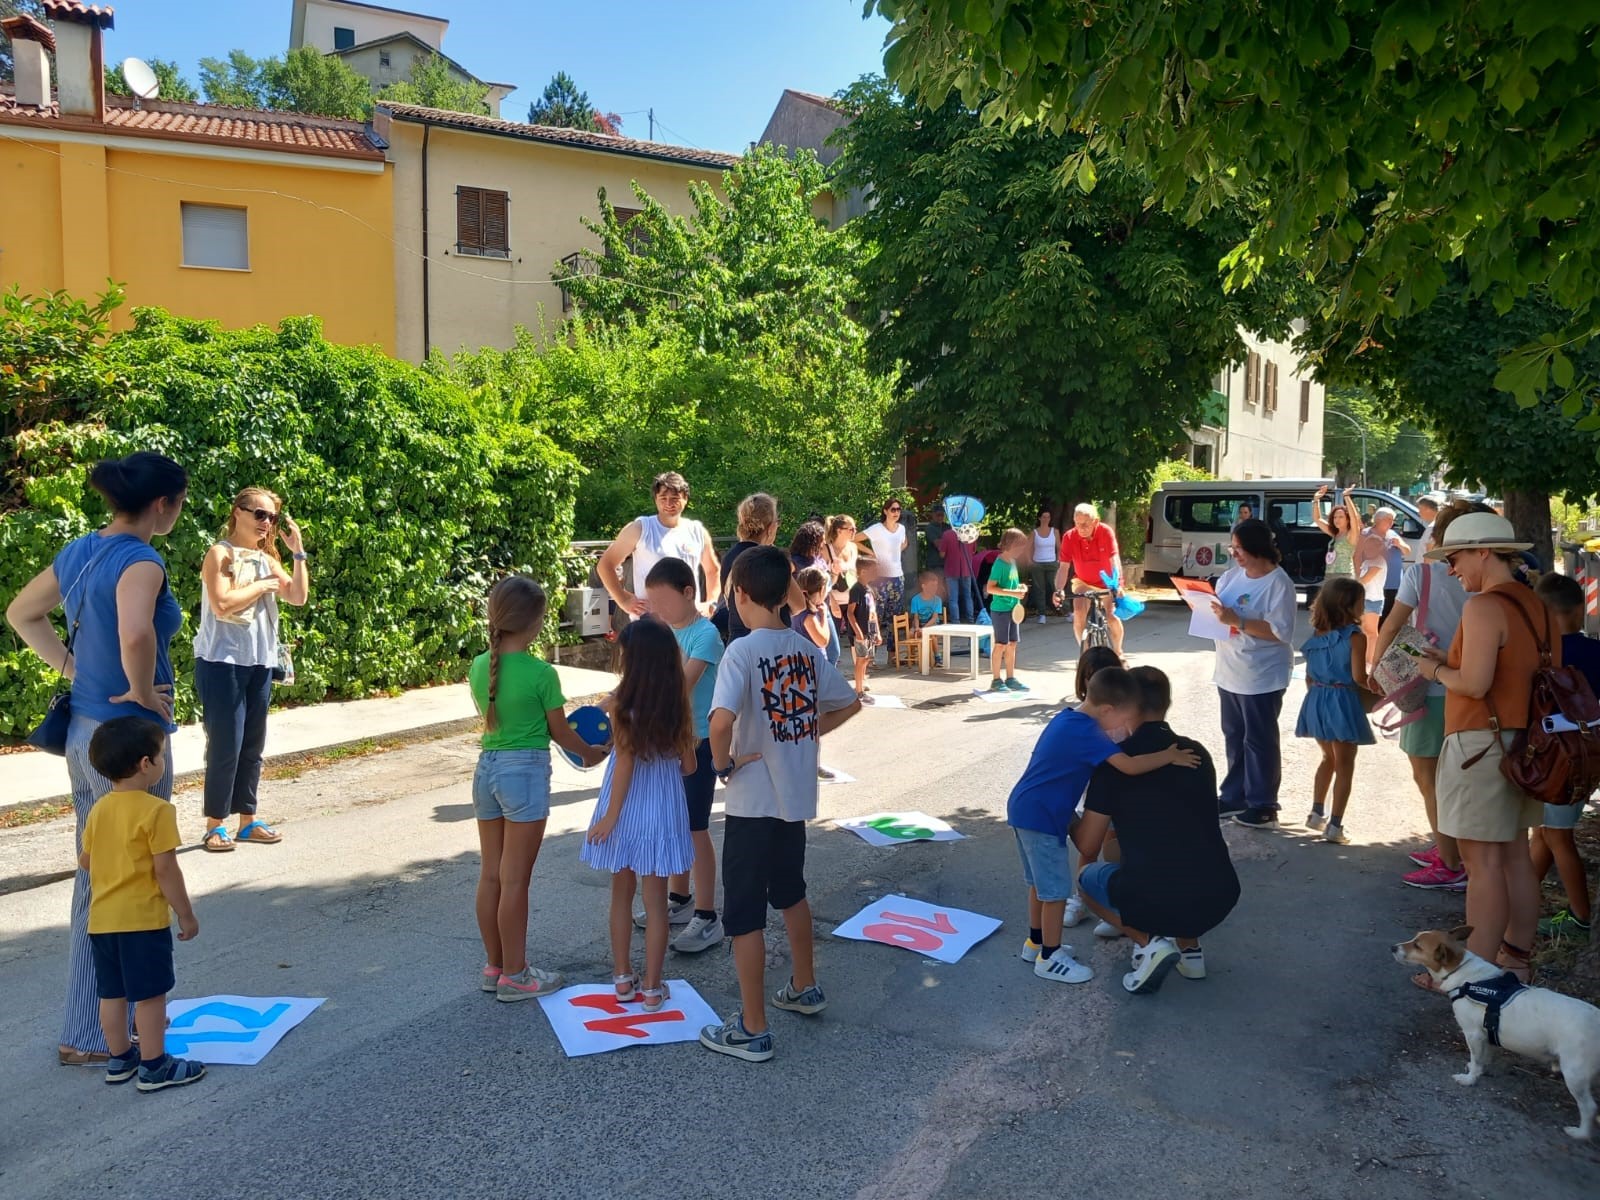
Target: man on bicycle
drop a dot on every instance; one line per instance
(1090, 550)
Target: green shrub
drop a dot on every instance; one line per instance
(414, 493)
(1132, 516)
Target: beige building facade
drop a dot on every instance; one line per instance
(486, 210)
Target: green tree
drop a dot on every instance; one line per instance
(308, 81)
(1057, 341)
(433, 84)
(563, 104)
(1437, 369)
(239, 80)
(168, 75)
(13, 8)
(1395, 451)
(1475, 121)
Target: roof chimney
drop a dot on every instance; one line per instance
(31, 46)
(80, 60)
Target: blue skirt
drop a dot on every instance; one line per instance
(1333, 714)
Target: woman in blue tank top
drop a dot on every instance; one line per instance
(113, 588)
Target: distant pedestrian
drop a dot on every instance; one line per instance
(640, 828)
(866, 629)
(961, 575)
(1006, 590)
(776, 697)
(757, 525)
(523, 712)
(1343, 528)
(1042, 568)
(888, 538)
(236, 656)
(130, 852)
(112, 587)
(666, 534)
(1333, 712)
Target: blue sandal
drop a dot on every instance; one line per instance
(223, 843)
(267, 835)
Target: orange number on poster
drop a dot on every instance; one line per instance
(910, 933)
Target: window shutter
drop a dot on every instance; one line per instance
(1305, 401)
(1272, 387)
(215, 237)
(1251, 382)
(495, 228)
(469, 218)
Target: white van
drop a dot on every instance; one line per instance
(1190, 523)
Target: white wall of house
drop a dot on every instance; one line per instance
(368, 22)
(1275, 418)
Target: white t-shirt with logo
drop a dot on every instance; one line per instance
(1248, 665)
(686, 540)
(887, 547)
(777, 685)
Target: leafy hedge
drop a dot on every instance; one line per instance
(413, 490)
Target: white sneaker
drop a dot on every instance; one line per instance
(1105, 929)
(699, 934)
(1192, 963)
(1317, 819)
(1030, 950)
(677, 914)
(1062, 968)
(1074, 912)
(1041, 618)
(1150, 965)
(1335, 833)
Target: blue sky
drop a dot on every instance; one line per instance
(712, 69)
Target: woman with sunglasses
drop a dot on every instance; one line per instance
(888, 540)
(235, 654)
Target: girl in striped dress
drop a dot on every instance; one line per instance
(640, 828)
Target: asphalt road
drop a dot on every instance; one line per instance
(1304, 1066)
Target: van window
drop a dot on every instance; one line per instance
(1207, 514)
(1294, 514)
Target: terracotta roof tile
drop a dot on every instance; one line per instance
(551, 135)
(250, 127)
(82, 14)
(29, 29)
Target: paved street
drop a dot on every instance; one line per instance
(1304, 1066)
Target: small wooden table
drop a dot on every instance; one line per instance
(949, 633)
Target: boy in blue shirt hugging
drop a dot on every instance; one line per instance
(1042, 805)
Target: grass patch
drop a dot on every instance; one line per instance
(34, 814)
(296, 767)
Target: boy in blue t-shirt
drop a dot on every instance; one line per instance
(926, 607)
(670, 586)
(1555, 843)
(1042, 805)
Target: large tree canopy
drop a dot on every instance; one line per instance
(305, 80)
(169, 78)
(433, 84)
(1476, 121)
(1056, 342)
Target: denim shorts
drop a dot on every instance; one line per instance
(512, 784)
(1046, 864)
(1094, 883)
(1562, 816)
(1372, 606)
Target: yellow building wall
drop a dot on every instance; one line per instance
(477, 302)
(319, 240)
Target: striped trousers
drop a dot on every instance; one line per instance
(81, 1027)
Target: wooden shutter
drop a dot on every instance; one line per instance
(1272, 387)
(469, 218)
(1252, 381)
(1305, 401)
(496, 227)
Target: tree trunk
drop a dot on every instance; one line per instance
(1529, 514)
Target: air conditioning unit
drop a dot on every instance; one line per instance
(588, 610)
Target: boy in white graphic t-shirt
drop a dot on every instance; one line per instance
(776, 695)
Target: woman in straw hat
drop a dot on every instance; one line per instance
(1488, 681)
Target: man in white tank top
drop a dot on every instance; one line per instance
(1042, 575)
(649, 539)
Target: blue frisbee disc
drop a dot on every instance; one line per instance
(590, 723)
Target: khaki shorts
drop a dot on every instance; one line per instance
(1478, 802)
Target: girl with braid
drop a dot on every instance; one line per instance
(523, 711)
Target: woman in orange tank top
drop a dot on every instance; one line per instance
(1488, 681)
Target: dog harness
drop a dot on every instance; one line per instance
(1494, 994)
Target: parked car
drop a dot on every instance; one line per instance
(1190, 523)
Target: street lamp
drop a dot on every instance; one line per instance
(1362, 430)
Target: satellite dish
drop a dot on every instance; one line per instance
(141, 80)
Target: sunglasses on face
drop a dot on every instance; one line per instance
(261, 514)
(894, 508)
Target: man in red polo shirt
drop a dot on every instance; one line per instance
(1089, 550)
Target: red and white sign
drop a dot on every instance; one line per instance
(588, 1019)
(944, 934)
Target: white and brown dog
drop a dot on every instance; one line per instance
(1494, 1009)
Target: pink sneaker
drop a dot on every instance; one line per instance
(1437, 878)
(1427, 858)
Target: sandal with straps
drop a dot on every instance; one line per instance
(655, 997)
(627, 987)
(260, 833)
(223, 842)
(1520, 964)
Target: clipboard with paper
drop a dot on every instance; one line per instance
(1200, 596)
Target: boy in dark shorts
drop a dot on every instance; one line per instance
(776, 696)
(130, 844)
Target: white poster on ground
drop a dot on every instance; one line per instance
(894, 828)
(588, 1019)
(944, 934)
(234, 1031)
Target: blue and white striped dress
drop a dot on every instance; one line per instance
(652, 835)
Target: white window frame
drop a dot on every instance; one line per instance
(205, 236)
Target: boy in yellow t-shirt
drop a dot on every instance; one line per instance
(130, 844)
